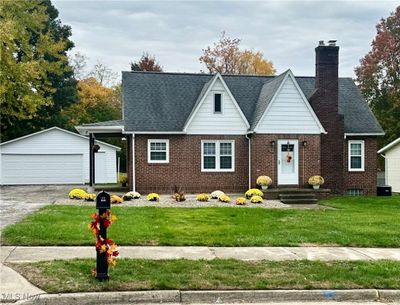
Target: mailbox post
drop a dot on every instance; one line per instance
(103, 203)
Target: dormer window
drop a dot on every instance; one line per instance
(217, 103)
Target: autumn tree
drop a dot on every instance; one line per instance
(379, 75)
(146, 63)
(36, 81)
(104, 75)
(226, 57)
(97, 103)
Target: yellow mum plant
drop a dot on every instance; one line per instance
(256, 199)
(153, 197)
(264, 181)
(316, 180)
(224, 198)
(202, 197)
(253, 192)
(90, 197)
(77, 194)
(116, 199)
(241, 201)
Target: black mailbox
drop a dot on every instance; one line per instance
(103, 200)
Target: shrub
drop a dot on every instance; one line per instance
(131, 195)
(116, 199)
(256, 199)
(216, 194)
(316, 180)
(241, 201)
(77, 194)
(264, 180)
(153, 197)
(202, 197)
(123, 180)
(224, 198)
(90, 197)
(180, 196)
(254, 192)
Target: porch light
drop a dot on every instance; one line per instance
(304, 143)
(272, 144)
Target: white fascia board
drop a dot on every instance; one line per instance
(155, 132)
(83, 130)
(363, 134)
(217, 76)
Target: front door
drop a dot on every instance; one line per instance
(288, 162)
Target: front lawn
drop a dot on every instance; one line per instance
(75, 275)
(354, 221)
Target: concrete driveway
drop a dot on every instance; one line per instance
(18, 201)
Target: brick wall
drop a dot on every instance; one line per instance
(184, 167)
(366, 180)
(264, 157)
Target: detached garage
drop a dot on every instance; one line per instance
(55, 156)
(391, 153)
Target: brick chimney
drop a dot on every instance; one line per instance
(325, 102)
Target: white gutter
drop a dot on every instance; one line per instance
(363, 134)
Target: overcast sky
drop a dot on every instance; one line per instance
(117, 32)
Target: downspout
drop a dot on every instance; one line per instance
(133, 164)
(386, 169)
(249, 141)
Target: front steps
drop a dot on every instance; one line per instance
(298, 198)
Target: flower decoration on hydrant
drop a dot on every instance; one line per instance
(106, 245)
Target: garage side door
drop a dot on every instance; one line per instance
(42, 169)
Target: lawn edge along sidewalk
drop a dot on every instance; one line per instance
(219, 296)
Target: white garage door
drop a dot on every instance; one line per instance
(42, 169)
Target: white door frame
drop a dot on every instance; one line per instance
(288, 179)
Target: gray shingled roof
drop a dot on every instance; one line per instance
(164, 101)
(105, 123)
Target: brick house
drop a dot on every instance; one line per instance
(202, 132)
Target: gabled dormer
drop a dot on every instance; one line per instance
(216, 111)
(282, 108)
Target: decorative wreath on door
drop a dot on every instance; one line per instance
(288, 156)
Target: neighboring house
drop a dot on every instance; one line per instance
(391, 153)
(54, 156)
(202, 132)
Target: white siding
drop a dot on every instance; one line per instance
(58, 142)
(288, 113)
(206, 121)
(393, 168)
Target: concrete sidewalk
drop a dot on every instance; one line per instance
(19, 254)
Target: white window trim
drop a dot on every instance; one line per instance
(217, 156)
(362, 155)
(214, 92)
(149, 141)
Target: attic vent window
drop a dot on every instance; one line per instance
(217, 103)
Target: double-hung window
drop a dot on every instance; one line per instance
(158, 151)
(356, 155)
(218, 156)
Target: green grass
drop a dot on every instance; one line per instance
(75, 275)
(354, 221)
